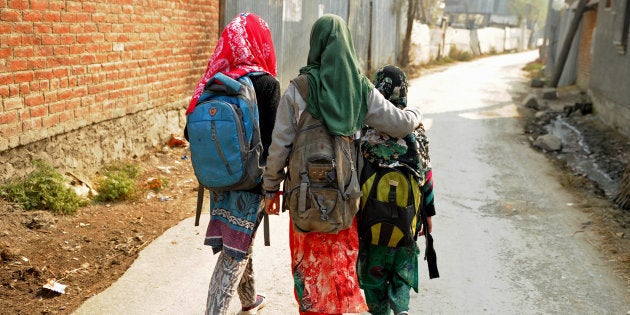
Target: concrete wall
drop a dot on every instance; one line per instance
(426, 41)
(83, 83)
(610, 75)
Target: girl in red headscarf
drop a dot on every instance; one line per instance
(245, 47)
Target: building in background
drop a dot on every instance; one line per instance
(473, 14)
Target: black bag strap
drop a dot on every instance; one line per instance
(429, 253)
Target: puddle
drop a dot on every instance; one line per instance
(578, 155)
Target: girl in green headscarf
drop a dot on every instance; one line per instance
(338, 91)
(324, 265)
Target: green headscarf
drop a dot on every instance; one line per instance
(338, 92)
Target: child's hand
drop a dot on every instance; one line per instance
(430, 224)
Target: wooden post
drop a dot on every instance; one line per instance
(566, 46)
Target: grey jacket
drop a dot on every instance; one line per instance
(381, 115)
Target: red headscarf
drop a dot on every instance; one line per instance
(245, 46)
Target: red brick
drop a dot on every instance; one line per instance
(24, 88)
(98, 17)
(23, 28)
(34, 100)
(26, 76)
(73, 6)
(39, 4)
(35, 86)
(61, 28)
(44, 85)
(68, 17)
(16, 65)
(83, 39)
(5, 52)
(50, 96)
(64, 94)
(6, 78)
(39, 111)
(50, 39)
(76, 49)
(14, 90)
(10, 16)
(82, 112)
(57, 5)
(23, 51)
(43, 28)
(66, 116)
(61, 50)
(8, 117)
(10, 130)
(87, 59)
(31, 124)
(31, 39)
(51, 16)
(89, 28)
(37, 63)
(50, 121)
(92, 48)
(43, 74)
(13, 103)
(56, 107)
(18, 4)
(4, 91)
(12, 40)
(83, 17)
(43, 51)
(89, 7)
(5, 28)
(32, 16)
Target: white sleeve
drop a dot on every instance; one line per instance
(385, 117)
(282, 138)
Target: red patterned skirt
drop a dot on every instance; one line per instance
(324, 271)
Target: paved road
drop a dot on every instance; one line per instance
(509, 238)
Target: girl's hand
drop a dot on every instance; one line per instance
(272, 202)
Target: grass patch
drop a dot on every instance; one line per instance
(459, 55)
(535, 69)
(45, 189)
(118, 183)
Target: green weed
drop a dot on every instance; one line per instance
(44, 189)
(119, 182)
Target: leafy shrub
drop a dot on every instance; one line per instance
(119, 182)
(45, 189)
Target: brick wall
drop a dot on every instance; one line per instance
(65, 65)
(585, 56)
(85, 83)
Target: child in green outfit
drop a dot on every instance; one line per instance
(387, 274)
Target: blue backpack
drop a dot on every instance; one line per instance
(224, 135)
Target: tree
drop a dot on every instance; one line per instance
(412, 8)
(427, 12)
(532, 12)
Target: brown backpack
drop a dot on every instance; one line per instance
(321, 191)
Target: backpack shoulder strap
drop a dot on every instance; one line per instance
(301, 83)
